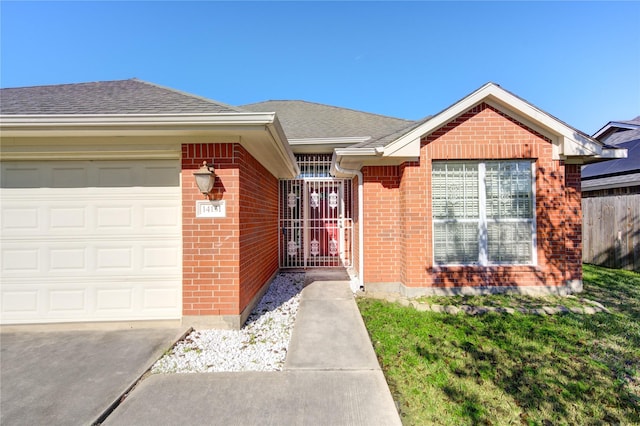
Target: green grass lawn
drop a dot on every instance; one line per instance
(515, 369)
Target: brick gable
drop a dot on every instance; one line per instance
(481, 133)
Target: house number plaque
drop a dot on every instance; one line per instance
(216, 208)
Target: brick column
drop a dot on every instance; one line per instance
(210, 246)
(227, 262)
(573, 225)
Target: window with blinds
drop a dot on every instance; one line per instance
(456, 212)
(483, 212)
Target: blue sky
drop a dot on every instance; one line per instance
(579, 61)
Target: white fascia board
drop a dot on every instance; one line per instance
(578, 146)
(613, 153)
(346, 152)
(407, 143)
(324, 145)
(438, 120)
(330, 141)
(119, 119)
(607, 154)
(570, 142)
(337, 166)
(31, 125)
(282, 147)
(411, 148)
(355, 158)
(589, 150)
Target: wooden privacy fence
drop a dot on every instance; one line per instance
(611, 231)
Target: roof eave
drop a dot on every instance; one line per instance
(282, 148)
(568, 142)
(131, 122)
(323, 145)
(260, 133)
(356, 158)
(606, 154)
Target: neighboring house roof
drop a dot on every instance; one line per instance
(308, 120)
(619, 173)
(619, 137)
(605, 133)
(105, 97)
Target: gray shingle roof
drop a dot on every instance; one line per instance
(622, 136)
(622, 172)
(629, 139)
(613, 127)
(386, 139)
(635, 121)
(105, 97)
(302, 120)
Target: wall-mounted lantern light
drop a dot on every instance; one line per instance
(205, 177)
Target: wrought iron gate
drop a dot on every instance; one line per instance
(315, 222)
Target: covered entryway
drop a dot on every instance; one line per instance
(316, 227)
(90, 241)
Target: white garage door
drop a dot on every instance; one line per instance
(90, 241)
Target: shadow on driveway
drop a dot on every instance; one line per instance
(73, 377)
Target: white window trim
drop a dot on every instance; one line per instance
(482, 220)
(483, 233)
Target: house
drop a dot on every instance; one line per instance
(611, 200)
(102, 219)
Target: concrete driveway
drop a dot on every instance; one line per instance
(72, 377)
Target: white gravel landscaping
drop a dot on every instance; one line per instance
(261, 345)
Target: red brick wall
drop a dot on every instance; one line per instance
(355, 243)
(381, 223)
(481, 133)
(415, 230)
(227, 260)
(258, 226)
(573, 222)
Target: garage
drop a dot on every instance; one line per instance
(90, 240)
(98, 205)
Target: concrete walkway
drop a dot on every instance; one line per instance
(331, 377)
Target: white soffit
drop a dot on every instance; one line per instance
(260, 133)
(324, 145)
